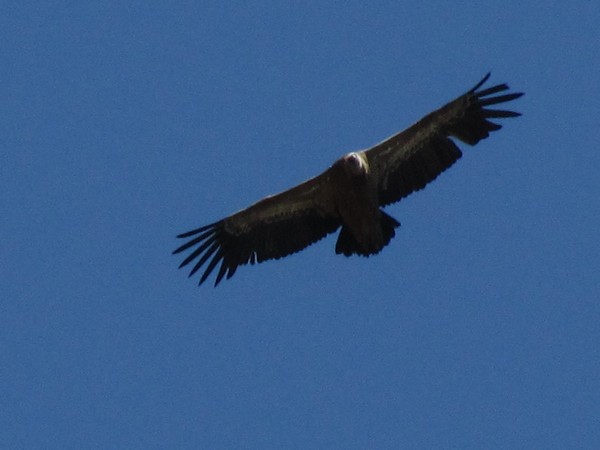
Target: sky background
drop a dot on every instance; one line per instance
(126, 123)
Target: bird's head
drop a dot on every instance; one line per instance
(355, 164)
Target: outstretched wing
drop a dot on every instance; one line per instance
(407, 161)
(272, 228)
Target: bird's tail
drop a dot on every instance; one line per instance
(348, 245)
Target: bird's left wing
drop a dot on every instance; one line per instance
(272, 228)
(407, 161)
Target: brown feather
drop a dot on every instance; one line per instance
(409, 160)
(348, 194)
(275, 227)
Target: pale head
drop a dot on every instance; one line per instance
(355, 164)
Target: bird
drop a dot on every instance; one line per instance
(350, 194)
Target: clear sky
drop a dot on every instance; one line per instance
(126, 123)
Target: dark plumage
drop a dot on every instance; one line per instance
(350, 193)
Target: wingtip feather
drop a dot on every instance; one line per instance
(196, 231)
(483, 80)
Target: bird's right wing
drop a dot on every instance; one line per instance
(272, 228)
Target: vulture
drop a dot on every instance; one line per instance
(348, 195)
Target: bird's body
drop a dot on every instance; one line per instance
(349, 194)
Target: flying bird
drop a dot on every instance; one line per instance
(349, 194)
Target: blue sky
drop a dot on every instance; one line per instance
(125, 123)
